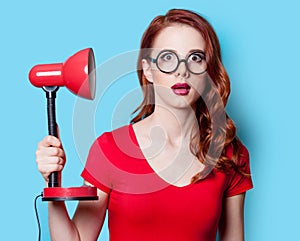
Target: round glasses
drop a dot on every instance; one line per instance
(167, 61)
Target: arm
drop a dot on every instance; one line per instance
(86, 223)
(231, 226)
(89, 216)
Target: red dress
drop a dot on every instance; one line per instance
(144, 207)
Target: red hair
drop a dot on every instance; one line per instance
(225, 137)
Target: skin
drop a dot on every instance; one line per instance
(170, 124)
(168, 127)
(50, 157)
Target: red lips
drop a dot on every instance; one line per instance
(181, 88)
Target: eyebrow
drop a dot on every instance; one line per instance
(188, 53)
(196, 50)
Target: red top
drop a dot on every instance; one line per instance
(143, 207)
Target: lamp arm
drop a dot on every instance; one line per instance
(54, 177)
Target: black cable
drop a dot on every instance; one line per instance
(37, 215)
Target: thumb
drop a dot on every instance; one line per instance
(58, 134)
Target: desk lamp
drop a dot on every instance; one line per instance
(78, 74)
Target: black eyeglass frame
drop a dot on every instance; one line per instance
(179, 61)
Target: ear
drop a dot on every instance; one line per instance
(147, 70)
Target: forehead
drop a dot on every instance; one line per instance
(180, 38)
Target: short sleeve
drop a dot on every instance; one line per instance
(239, 183)
(97, 168)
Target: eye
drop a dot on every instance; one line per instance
(197, 57)
(167, 57)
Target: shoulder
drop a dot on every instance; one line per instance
(118, 143)
(237, 152)
(110, 143)
(115, 136)
(240, 179)
(243, 158)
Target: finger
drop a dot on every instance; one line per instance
(44, 161)
(58, 131)
(46, 170)
(50, 151)
(49, 141)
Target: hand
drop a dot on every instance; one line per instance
(50, 156)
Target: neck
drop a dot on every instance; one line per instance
(177, 124)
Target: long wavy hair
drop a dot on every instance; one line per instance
(224, 137)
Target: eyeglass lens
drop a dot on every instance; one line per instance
(167, 61)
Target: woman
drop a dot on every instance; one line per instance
(178, 171)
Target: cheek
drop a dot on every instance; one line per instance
(198, 83)
(160, 78)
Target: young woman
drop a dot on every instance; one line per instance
(178, 171)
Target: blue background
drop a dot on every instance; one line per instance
(260, 46)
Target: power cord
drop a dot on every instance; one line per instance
(37, 215)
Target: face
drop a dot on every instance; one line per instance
(180, 88)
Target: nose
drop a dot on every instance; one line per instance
(182, 69)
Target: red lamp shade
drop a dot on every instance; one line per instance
(77, 74)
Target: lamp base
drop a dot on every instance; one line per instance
(69, 194)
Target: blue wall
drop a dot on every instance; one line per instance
(260, 44)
